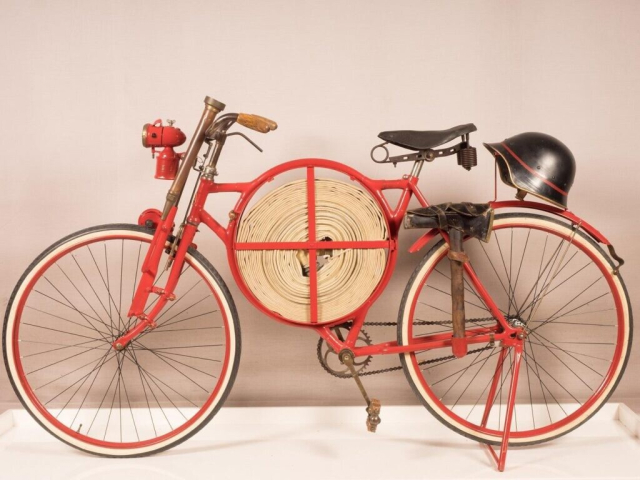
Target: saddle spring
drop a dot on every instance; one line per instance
(467, 157)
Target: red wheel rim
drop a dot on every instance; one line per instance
(596, 395)
(35, 401)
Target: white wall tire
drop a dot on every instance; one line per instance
(441, 412)
(213, 281)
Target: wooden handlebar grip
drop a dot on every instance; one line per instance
(256, 122)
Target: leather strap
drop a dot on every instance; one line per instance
(458, 256)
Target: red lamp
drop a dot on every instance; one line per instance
(157, 135)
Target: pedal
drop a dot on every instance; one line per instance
(373, 415)
(373, 405)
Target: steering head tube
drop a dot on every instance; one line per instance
(211, 108)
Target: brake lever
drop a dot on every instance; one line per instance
(246, 138)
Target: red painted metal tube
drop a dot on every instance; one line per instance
(334, 245)
(517, 358)
(313, 266)
(430, 343)
(494, 386)
(150, 265)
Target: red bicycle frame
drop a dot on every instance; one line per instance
(197, 215)
(408, 186)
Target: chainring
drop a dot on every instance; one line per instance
(330, 362)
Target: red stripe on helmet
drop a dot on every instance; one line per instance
(556, 188)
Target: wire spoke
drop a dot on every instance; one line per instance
(103, 399)
(58, 361)
(113, 328)
(67, 320)
(85, 395)
(146, 377)
(64, 304)
(164, 325)
(569, 351)
(162, 355)
(177, 370)
(155, 378)
(71, 305)
(77, 345)
(110, 300)
(468, 288)
(84, 298)
(144, 389)
(524, 252)
(544, 339)
(557, 382)
(78, 389)
(104, 359)
(553, 317)
(541, 271)
(497, 276)
(473, 378)
(512, 300)
(544, 385)
(569, 368)
(60, 331)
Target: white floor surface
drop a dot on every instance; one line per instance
(308, 443)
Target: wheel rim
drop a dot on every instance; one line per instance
(84, 391)
(439, 391)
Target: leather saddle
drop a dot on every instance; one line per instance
(416, 140)
(472, 219)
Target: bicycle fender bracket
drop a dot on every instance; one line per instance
(618, 259)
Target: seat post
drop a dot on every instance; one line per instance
(417, 167)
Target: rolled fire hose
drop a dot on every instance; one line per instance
(346, 278)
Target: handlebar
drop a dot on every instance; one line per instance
(205, 131)
(256, 122)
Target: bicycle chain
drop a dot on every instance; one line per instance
(426, 322)
(424, 362)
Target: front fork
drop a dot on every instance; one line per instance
(148, 278)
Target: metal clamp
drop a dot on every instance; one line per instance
(618, 259)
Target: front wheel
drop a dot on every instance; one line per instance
(558, 285)
(72, 303)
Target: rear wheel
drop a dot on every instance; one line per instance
(555, 282)
(68, 308)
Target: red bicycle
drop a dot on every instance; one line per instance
(515, 328)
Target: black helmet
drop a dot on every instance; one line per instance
(536, 163)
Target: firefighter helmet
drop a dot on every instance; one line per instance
(536, 163)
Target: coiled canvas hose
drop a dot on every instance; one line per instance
(346, 278)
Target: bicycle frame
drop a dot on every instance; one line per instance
(197, 215)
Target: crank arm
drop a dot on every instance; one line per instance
(373, 405)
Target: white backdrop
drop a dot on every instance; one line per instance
(79, 79)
